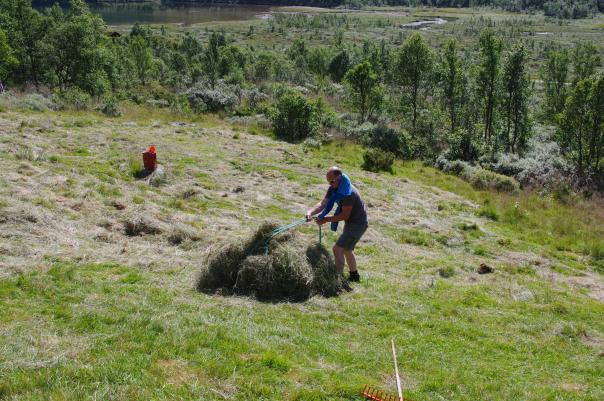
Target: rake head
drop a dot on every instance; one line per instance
(378, 395)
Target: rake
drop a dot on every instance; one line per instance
(378, 395)
(281, 229)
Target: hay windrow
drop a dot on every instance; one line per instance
(289, 271)
(139, 226)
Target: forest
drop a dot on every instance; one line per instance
(556, 8)
(468, 107)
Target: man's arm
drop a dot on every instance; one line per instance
(344, 215)
(316, 209)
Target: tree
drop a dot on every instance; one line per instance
(142, 57)
(585, 60)
(211, 59)
(263, 67)
(7, 60)
(581, 130)
(298, 54)
(516, 91)
(487, 80)
(318, 61)
(596, 140)
(453, 83)
(190, 46)
(554, 75)
(77, 50)
(232, 59)
(294, 118)
(26, 31)
(414, 67)
(339, 65)
(366, 92)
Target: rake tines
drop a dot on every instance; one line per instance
(377, 395)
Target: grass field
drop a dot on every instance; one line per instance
(88, 312)
(91, 311)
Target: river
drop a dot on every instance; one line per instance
(128, 14)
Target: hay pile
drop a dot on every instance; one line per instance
(286, 273)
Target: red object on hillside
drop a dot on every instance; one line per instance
(150, 159)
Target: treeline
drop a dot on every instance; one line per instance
(405, 100)
(566, 9)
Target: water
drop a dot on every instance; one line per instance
(128, 14)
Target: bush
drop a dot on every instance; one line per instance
(255, 97)
(377, 160)
(478, 177)
(312, 143)
(462, 146)
(33, 101)
(73, 98)
(426, 136)
(110, 108)
(542, 166)
(488, 211)
(387, 139)
(213, 100)
(294, 118)
(485, 179)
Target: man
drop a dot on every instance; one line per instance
(351, 210)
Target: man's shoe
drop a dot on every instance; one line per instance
(354, 277)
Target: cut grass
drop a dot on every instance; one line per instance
(124, 329)
(76, 329)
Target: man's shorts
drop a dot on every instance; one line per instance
(351, 235)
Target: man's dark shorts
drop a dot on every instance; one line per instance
(351, 235)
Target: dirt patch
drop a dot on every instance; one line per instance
(484, 269)
(176, 372)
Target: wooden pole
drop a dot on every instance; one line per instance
(398, 379)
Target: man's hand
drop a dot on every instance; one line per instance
(322, 221)
(308, 216)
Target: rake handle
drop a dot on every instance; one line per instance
(398, 378)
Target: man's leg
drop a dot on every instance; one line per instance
(338, 253)
(350, 260)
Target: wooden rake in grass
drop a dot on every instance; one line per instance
(378, 395)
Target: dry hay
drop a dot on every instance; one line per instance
(139, 226)
(284, 273)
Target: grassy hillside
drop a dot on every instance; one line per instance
(89, 312)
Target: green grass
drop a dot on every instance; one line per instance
(75, 329)
(75, 326)
(144, 337)
(415, 236)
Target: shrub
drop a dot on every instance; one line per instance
(354, 131)
(426, 136)
(294, 118)
(213, 100)
(377, 160)
(255, 97)
(110, 108)
(387, 139)
(73, 98)
(135, 167)
(485, 179)
(542, 166)
(456, 167)
(312, 143)
(446, 272)
(462, 146)
(478, 177)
